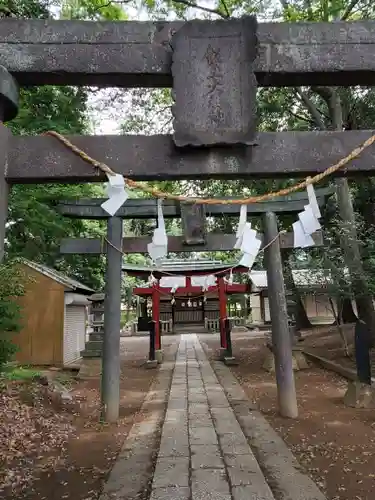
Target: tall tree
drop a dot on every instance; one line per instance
(35, 227)
(315, 108)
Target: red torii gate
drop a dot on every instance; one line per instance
(222, 288)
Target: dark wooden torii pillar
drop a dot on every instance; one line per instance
(222, 313)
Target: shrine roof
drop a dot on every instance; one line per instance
(180, 266)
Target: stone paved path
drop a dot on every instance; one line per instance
(203, 451)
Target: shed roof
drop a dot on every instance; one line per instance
(66, 281)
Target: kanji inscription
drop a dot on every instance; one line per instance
(193, 219)
(214, 86)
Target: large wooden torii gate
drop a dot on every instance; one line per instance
(214, 122)
(194, 239)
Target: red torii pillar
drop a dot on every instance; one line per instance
(222, 314)
(156, 315)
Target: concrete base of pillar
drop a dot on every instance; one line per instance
(151, 364)
(90, 368)
(230, 361)
(298, 358)
(222, 354)
(359, 395)
(159, 356)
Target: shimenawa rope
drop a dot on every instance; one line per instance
(212, 201)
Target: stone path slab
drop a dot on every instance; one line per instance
(130, 475)
(204, 455)
(281, 468)
(212, 443)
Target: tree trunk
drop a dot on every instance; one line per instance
(297, 310)
(339, 327)
(365, 306)
(349, 239)
(347, 313)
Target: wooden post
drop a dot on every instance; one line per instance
(222, 312)
(4, 135)
(8, 111)
(112, 323)
(156, 316)
(281, 342)
(228, 338)
(151, 354)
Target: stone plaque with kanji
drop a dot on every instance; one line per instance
(193, 220)
(214, 86)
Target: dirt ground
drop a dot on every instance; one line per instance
(335, 444)
(326, 342)
(50, 454)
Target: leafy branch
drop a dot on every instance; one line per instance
(218, 12)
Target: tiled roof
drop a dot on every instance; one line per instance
(302, 277)
(180, 265)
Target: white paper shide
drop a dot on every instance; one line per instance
(247, 240)
(308, 221)
(205, 282)
(158, 248)
(173, 282)
(116, 192)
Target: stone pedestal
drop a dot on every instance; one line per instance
(159, 356)
(151, 364)
(230, 361)
(90, 368)
(222, 354)
(359, 395)
(298, 358)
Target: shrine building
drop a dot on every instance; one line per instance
(186, 293)
(177, 300)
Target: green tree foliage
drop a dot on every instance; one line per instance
(307, 108)
(35, 228)
(92, 9)
(11, 286)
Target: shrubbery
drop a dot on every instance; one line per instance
(11, 287)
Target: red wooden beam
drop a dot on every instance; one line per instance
(194, 290)
(188, 273)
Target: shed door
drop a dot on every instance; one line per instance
(74, 332)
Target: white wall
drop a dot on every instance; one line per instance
(256, 313)
(317, 308)
(74, 332)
